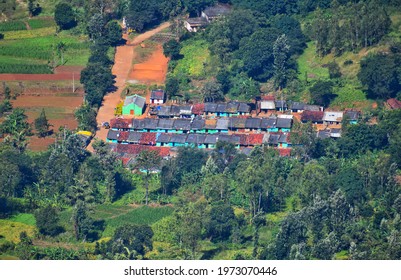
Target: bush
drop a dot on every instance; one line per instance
(47, 221)
(348, 62)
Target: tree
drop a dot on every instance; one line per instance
(42, 124)
(142, 14)
(114, 33)
(60, 49)
(334, 70)
(212, 92)
(97, 80)
(83, 224)
(245, 87)
(322, 93)
(47, 221)
(86, 117)
(131, 241)
(172, 86)
(190, 224)
(281, 50)
(148, 161)
(221, 223)
(17, 128)
(172, 49)
(257, 53)
(380, 75)
(64, 16)
(96, 28)
(10, 179)
(7, 92)
(33, 8)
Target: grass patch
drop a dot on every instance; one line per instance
(25, 218)
(140, 216)
(309, 64)
(38, 23)
(349, 95)
(196, 57)
(116, 216)
(11, 230)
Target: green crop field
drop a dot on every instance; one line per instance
(38, 23)
(32, 51)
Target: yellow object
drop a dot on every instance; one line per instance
(86, 133)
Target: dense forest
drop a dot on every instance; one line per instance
(331, 199)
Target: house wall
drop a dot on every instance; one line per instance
(137, 111)
(157, 101)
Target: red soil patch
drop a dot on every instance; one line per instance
(153, 70)
(68, 69)
(26, 101)
(40, 144)
(59, 111)
(39, 77)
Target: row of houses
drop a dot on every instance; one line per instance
(330, 117)
(202, 141)
(281, 123)
(282, 105)
(228, 109)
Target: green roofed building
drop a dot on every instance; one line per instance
(134, 105)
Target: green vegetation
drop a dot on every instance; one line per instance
(310, 65)
(11, 230)
(196, 57)
(12, 26)
(38, 23)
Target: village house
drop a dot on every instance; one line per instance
(330, 118)
(195, 24)
(281, 105)
(208, 15)
(266, 105)
(157, 96)
(352, 116)
(134, 105)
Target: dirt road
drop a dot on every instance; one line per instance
(122, 67)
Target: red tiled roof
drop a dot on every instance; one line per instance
(198, 109)
(285, 152)
(120, 123)
(255, 139)
(148, 138)
(313, 116)
(125, 160)
(123, 135)
(132, 149)
(394, 103)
